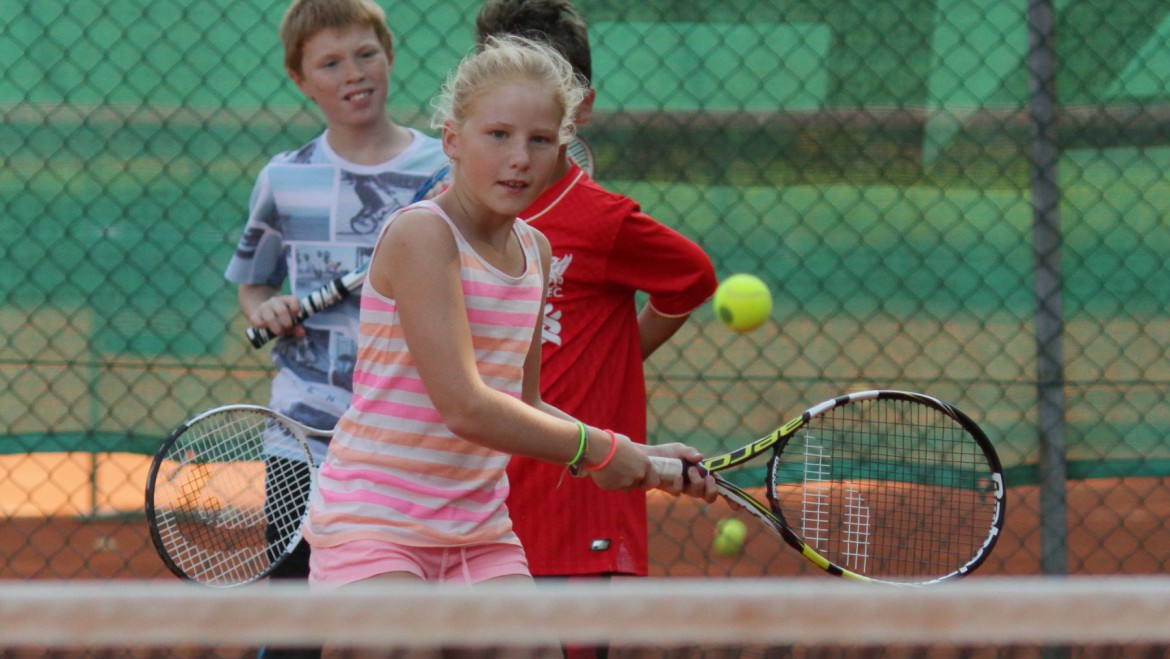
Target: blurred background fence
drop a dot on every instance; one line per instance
(961, 197)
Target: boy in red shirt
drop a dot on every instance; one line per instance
(605, 249)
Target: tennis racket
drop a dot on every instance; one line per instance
(579, 152)
(339, 289)
(227, 491)
(879, 486)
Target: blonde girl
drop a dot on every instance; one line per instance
(446, 384)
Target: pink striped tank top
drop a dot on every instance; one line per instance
(394, 471)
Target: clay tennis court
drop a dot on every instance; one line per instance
(1120, 528)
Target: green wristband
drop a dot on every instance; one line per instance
(581, 448)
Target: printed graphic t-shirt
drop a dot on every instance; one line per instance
(313, 217)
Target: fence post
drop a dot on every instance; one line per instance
(1046, 236)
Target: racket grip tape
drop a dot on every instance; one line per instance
(322, 298)
(669, 468)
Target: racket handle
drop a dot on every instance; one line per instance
(669, 468)
(324, 297)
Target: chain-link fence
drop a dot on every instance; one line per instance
(960, 197)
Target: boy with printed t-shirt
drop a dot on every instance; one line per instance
(315, 212)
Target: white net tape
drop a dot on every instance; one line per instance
(640, 612)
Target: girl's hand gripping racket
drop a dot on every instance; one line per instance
(227, 491)
(880, 486)
(339, 289)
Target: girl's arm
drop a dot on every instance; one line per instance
(417, 264)
(695, 485)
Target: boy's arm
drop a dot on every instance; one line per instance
(654, 329)
(675, 271)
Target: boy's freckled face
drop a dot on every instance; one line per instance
(346, 73)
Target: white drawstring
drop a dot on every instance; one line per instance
(466, 570)
(463, 564)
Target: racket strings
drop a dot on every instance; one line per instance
(887, 488)
(212, 513)
(580, 153)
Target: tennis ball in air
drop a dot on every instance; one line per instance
(743, 302)
(729, 536)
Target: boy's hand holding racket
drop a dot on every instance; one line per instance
(288, 312)
(279, 314)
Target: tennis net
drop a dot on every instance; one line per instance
(801, 617)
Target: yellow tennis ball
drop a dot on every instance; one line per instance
(730, 534)
(743, 302)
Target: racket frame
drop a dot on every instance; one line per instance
(773, 443)
(298, 431)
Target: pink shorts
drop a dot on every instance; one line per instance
(330, 567)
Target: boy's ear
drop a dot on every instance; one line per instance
(585, 110)
(299, 81)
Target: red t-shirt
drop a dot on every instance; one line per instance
(604, 250)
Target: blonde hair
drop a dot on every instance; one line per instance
(305, 18)
(510, 58)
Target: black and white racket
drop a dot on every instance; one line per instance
(227, 491)
(881, 486)
(339, 289)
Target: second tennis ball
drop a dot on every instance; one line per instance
(743, 302)
(730, 534)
